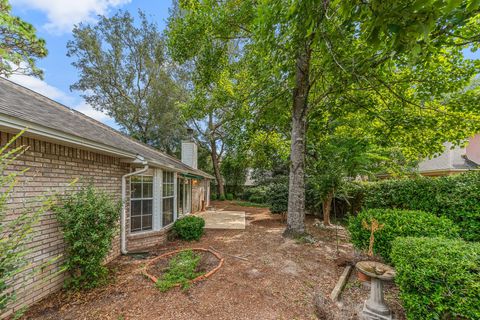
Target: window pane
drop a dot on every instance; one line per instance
(136, 179)
(167, 211)
(147, 190)
(136, 190)
(146, 222)
(136, 207)
(147, 207)
(136, 223)
(141, 210)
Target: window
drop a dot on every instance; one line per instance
(141, 203)
(168, 198)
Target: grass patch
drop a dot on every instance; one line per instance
(181, 270)
(250, 204)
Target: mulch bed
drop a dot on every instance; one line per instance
(280, 279)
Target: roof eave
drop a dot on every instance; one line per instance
(35, 130)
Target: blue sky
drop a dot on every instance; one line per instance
(54, 20)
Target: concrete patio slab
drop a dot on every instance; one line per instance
(220, 219)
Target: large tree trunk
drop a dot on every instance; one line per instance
(216, 169)
(326, 205)
(296, 188)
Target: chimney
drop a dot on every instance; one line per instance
(189, 151)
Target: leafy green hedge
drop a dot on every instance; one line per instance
(257, 194)
(438, 278)
(456, 197)
(189, 228)
(397, 223)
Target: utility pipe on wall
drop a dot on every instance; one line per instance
(123, 217)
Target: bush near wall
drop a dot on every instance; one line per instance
(456, 197)
(189, 228)
(397, 223)
(89, 220)
(438, 278)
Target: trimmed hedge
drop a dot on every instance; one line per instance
(189, 228)
(397, 223)
(456, 197)
(438, 278)
(229, 196)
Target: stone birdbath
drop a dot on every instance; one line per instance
(375, 307)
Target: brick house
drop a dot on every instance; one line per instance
(63, 144)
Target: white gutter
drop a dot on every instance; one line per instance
(123, 217)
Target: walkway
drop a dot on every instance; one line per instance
(220, 219)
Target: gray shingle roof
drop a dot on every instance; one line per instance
(24, 104)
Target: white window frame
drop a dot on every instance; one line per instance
(142, 198)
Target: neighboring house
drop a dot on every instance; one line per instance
(156, 189)
(453, 160)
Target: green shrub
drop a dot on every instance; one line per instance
(181, 270)
(438, 278)
(229, 196)
(278, 197)
(189, 228)
(456, 197)
(221, 197)
(257, 194)
(89, 220)
(213, 196)
(397, 223)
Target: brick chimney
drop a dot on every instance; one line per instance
(189, 150)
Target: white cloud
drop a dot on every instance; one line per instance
(56, 94)
(42, 87)
(62, 15)
(87, 110)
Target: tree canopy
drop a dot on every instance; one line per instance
(126, 72)
(19, 45)
(394, 62)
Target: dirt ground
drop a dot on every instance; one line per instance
(282, 279)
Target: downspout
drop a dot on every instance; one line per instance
(123, 217)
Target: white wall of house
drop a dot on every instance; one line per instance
(453, 158)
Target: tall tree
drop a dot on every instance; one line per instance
(320, 51)
(125, 72)
(212, 105)
(19, 45)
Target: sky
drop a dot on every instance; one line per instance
(54, 20)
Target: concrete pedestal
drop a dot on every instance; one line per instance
(374, 307)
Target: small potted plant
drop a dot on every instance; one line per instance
(374, 226)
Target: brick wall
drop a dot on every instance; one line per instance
(52, 168)
(141, 241)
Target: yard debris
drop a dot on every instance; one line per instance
(230, 255)
(335, 295)
(322, 307)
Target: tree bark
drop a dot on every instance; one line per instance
(216, 169)
(326, 205)
(296, 188)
